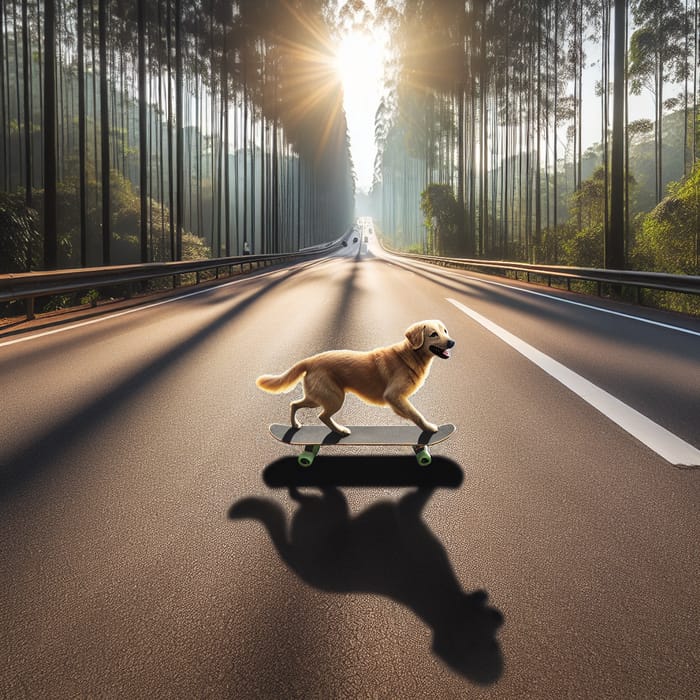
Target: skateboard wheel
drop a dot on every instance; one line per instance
(423, 457)
(306, 458)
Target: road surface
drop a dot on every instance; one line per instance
(155, 542)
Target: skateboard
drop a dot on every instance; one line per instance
(312, 437)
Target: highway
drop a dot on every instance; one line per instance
(156, 542)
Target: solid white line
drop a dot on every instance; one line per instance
(562, 300)
(654, 436)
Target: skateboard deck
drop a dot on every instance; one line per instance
(315, 436)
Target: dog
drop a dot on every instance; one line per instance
(384, 376)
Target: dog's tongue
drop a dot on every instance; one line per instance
(445, 353)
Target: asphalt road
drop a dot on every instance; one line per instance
(156, 542)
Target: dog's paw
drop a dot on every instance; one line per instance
(342, 430)
(430, 427)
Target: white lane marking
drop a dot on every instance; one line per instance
(134, 309)
(654, 436)
(641, 319)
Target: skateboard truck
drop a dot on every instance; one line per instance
(306, 458)
(422, 455)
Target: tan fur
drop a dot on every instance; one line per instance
(383, 376)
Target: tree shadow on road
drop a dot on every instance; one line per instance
(389, 550)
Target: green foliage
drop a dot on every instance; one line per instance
(584, 248)
(579, 242)
(56, 303)
(668, 237)
(441, 212)
(91, 297)
(20, 242)
(125, 207)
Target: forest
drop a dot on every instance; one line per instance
(480, 148)
(135, 131)
(172, 129)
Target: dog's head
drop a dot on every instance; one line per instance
(430, 336)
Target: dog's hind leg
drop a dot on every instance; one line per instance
(325, 416)
(303, 402)
(331, 400)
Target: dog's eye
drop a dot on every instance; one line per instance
(433, 335)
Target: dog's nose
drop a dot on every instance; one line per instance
(450, 343)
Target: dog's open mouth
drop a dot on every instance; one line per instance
(442, 353)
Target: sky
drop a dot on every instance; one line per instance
(360, 60)
(360, 63)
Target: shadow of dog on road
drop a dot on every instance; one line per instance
(389, 550)
(365, 471)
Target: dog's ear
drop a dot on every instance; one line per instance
(415, 335)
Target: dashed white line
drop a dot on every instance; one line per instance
(657, 438)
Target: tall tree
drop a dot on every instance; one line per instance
(50, 230)
(143, 135)
(104, 132)
(27, 106)
(179, 125)
(82, 135)
(615, 239)
(656, 54)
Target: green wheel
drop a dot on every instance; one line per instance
(306, 458)
(423, 456)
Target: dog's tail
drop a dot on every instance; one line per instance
(278, 383)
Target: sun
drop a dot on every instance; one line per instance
(359, 64)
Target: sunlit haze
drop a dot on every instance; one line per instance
(360, 63)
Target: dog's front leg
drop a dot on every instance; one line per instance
(404, 408)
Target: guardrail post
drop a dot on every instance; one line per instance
(29, 308)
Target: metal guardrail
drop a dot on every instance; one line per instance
(684, 284)
(31, 285)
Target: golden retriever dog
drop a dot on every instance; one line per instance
(384, 376)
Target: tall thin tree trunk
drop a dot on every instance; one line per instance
(4, 120)
(143, 142)
(50, 232)
(27, 107)
(614, 242)
(104, 128)
(82, 135)
(179, 125)
(555, 181)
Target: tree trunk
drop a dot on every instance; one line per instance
(104, 131)
(4, 120)
(143, 143)
(27, 107)
(82, 135)
(179, 165)
(50, 233)
(614, 242)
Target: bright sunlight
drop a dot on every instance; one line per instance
(359, 62)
